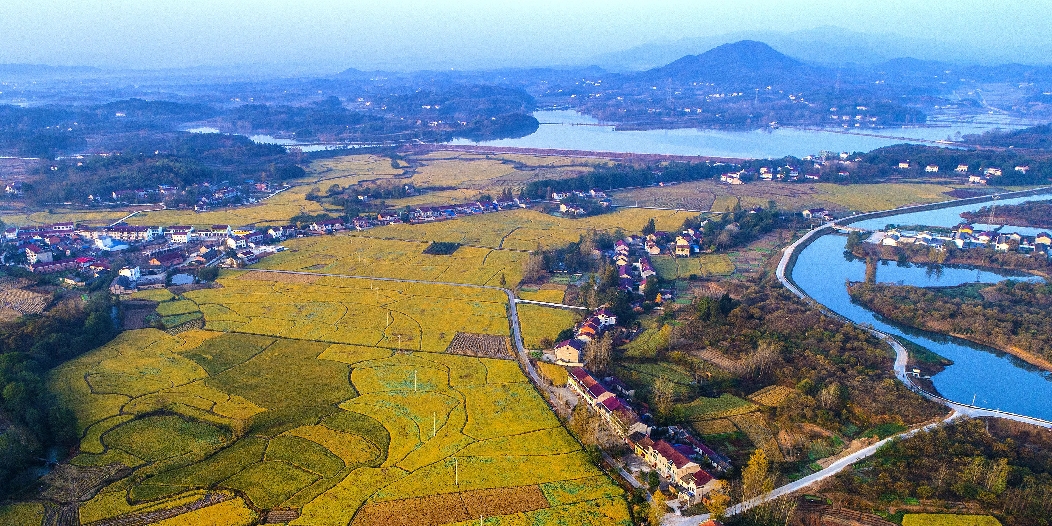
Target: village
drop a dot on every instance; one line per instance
(688, 467)
(149, 254)
(965, 237)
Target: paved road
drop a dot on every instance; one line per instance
(550, 304)
(513, 313)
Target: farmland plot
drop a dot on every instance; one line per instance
(307, 403)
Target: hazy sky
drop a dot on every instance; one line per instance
(402, 34)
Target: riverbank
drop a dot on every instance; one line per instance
(1001, 317)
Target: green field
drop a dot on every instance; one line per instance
(539, 323)
(673, 268)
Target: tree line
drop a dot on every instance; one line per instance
(1003, 467)
(1011, 315)
(34, 421)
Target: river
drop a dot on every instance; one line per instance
(570, 130)
(993, 379)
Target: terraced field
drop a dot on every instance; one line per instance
(299, 401)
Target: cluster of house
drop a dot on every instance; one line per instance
(631, 255)
(817, 213)
(209, 196)
(426, 214)
(86, 250)
(963, 169)
(594, 196)
(677, 457)
(965, 237)
(570, 352)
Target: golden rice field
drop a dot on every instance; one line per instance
(718, 197)
(525, 229)
(274, 211)
(884, 196)
(296, 396)
(366, 255)
(354, 168)
(406, 316)
(96, 218)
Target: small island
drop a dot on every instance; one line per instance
(1009, 316)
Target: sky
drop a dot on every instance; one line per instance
(332, 35)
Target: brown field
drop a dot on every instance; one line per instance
(277, 277)
(718, 197)
(480, 345)
(452, 507)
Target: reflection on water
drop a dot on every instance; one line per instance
(569, 130)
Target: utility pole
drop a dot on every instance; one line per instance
(456, 472)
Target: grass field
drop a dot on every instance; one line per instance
(938, 519)
(672, 268)
(296, 396)
(539, 323)
(711, 408)
(870, 197)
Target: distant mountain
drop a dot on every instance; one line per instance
(747, 60)
(38, 70)
(823, 45)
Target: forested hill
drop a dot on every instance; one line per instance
(1033, 138)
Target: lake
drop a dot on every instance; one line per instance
(995, 380)
(570, 130)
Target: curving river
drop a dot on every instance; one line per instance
(993, 379)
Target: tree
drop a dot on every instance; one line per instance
(756, 477)
(663, 396)
(598, 353)
(650, 227)
(657, 508)
(717, 500)
(650, 289)
(503, 281)
(208, 273)
(653, 480)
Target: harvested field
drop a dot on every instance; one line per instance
(755, 426)
(772, 395)
(16, 298)
(301, 279)
(481, 345)
(136, 313)
(452, 507)
(718, 426)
